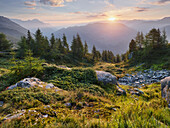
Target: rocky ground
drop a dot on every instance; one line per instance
(146, 77)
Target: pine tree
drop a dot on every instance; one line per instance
(132, 46)
(65, 44)
(85, 48)
(22, 47)
(73, 46)
(94, 53)
(105, 56)
(29, 39)
(110, 56)
(80, 49)
(4, 43)
(38, 43)
(52, 41)
(139, 40)
(60, 46)
(153, 38)
(98, 55)
(164, 38)
(118, 59)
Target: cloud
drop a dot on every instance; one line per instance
(141, 9)
(99, 15)
(163, 1)
(79, 13)
(160, 2)
(55, 3)
(30, 3)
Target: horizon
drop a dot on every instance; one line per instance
(75, 12)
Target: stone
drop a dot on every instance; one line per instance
(68, 104)
(33, 82)
(165, 89)
(45, 116)
(14, 116)
(141, 78)
(114, 109)
(49, 86)
(106, 77)
(1, 103)
(136, 89)
(120, 91)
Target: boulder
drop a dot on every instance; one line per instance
(165, 89)
(49, 86)
(33, 82)
(106, 77)
(8, 117)
(26, 83)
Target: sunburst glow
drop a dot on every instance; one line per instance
(112, 19)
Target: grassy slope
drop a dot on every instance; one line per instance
(92, 102)
(133, 111)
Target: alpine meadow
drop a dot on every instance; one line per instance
(84, 64)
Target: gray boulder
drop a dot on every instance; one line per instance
(165, 89)
(49, 86)
(33, 82)
(106, 77)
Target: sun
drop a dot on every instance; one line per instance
(112, 19)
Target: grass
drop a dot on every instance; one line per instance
(86, 109)
(83, 102)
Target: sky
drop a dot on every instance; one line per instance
(67, 12)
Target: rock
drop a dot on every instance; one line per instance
(106, 77)
(12, 87)
(136, 89)
(45, 116)
(134, 93)
(165, 89)
(1, 103)
(49, 86)
(114, 109)
(121, 91)
(68, 104)
(146, 77)
(33, 82)
(14, 116)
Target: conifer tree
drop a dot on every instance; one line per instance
(73, 46)
(4, 43)
(52, 41)
(22, 47)
(94, 53)
(79, 47)
(29, 39)
(38, 43)
(85, 48)
(164, 38)
(65, 44)
(60, 46)
(118, 59)
(132, 46)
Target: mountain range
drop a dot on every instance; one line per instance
(12, 30)
(104, 35)
(34, 24)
